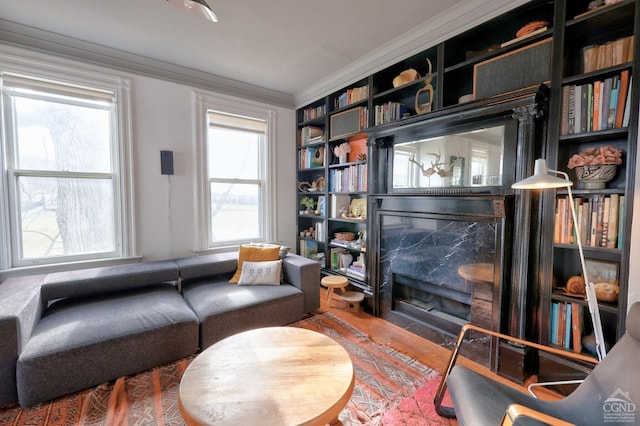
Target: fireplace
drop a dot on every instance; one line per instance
(441, 264)
(449, 239)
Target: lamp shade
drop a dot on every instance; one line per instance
(199, 7)
(541, 178)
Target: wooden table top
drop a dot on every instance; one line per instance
(268, 376)
(478, 272)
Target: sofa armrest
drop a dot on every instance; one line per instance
(20, 311)
(304, 274)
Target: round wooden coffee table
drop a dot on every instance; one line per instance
(268, 376)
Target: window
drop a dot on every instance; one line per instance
(236, 176)
(63, 172)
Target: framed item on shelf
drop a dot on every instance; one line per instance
(602, 272)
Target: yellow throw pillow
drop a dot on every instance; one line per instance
(254, 254)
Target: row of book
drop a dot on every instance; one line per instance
(567, 325)
(312, 113)
(311, 157)
(310, 135)
(600, 221)
(389, 112)
(351, 96)
(616, 52)
(348, 179)
(600, 105)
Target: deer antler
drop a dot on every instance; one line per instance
(425, 172)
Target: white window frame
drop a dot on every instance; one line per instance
(44, 68)
(205, 102)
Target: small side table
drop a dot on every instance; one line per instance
(352, 300)
(333, 282)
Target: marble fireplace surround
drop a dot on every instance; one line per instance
(423, 242)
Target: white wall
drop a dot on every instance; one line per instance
(634, 254)
(162, 119)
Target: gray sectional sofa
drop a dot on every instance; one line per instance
(68, 331)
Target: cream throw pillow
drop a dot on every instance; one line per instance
(254, 254)
(260, 273)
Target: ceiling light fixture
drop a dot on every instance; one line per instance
(199, 7)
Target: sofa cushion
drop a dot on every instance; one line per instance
(254, 254)
(225, 309)
(261, 273)
(91, 340)
(218, 264)
(107, 279)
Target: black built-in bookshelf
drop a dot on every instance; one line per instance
(577, 63)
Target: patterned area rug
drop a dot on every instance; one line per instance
(391, 389)
(384, 377)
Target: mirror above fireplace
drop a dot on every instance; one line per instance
(471, 158)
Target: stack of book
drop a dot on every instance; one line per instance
(357, 271)
(616, 52)
(348, 179)
(389, 112)
(600, 220)
(312, 113)
(310, 134)
(599, 105)
(351, 96)
(567, 325)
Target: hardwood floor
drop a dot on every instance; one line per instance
(423, 350)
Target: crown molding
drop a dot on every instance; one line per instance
(23, 36)
(453, 21)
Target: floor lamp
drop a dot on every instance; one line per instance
(541, 179)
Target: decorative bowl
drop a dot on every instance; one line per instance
(596, 176)
(345, 236)
(607, 292)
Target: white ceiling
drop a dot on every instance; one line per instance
(294, 47)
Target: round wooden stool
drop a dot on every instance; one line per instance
(332, 282)
(352, 300)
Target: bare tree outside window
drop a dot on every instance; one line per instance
(63, 175)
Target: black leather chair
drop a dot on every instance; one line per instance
(609, 395)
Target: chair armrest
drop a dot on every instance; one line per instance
(304, 274)
(515, 411)
(449, 411)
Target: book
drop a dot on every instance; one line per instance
(621, 208)
(553, 327)
(613, 104)
(568, 326)
(564, 120)
(627, 107)
(577, 326)
(605, 222)
(622, 97)
(596, 106)
(572, 109)
(613, 221)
